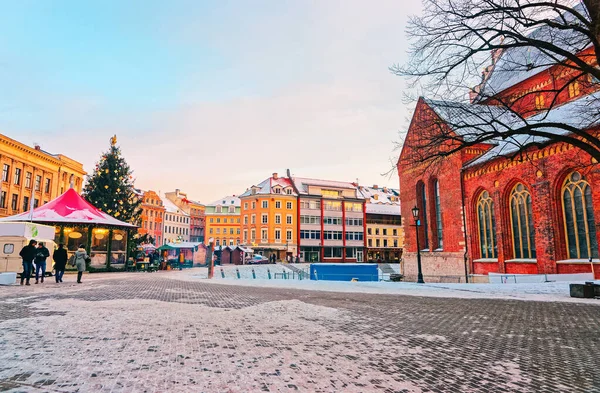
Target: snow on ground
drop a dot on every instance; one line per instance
(551, 291)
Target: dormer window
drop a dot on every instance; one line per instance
(288, 191)
(219, 209)
(277, 190)
(254, 191)
(574, 89)
(540, 101)
(231, 209)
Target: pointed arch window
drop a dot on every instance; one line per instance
(578, 213)
(487, 226)
(521, 219)
(422, 201)
(438, 215)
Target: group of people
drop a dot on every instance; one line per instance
(37, 253)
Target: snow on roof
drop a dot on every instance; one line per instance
(230, 200)
(266, 186)
(471, 119)
(380, 195)
(520, 63)
(69, 208)
(303, 183)
(380, 208)
(581, 113)
(170, 207)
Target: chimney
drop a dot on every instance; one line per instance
(37, 147)
(385, 189)
(177, 191)
(375, 186)
(275, 176)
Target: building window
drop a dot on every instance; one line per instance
(521, 219)
(5, 172)
(277, 218)
(354, 222)
(210, 220)
(245, 235)
(277, 190)
(376, 242)
(332, 220)
(15, 202)
(330, 193)
(395, 242)
(17, 176)
(422, 200)
(25, 204)
(253, 219)
(28, 180)
(574, 89)
(265, 204)
(277, 234)
(253, 235)
(353, 207)
(38, 182)
(288, 191)
(245, 220)
(310, 234)
(218, 231)
(265, 219)
(218, 220)
(47, 186)
(539, 101)
(245, 205)
(332, 205)
(370, 241)
(385, 242)
(264, 235)
(219, 209)
(253, 205)
(369, 231)
(36, 203)
(307, 204)
(487, 226)
(288, 235)
(395, 232)
(288, 205)
(277, 204)
(231, 209)
(578, 212)
(332, 252)
(377, 231)
(288, 219)
(438, 216)
(3, 199)
(384, 231)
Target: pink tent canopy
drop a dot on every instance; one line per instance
(69, 208)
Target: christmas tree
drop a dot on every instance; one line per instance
(110, 186)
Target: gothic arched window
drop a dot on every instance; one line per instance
(487, 226)
(521, 219)
(438, 215)
(578, 212)
(422, 201)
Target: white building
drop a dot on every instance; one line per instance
(176, 225)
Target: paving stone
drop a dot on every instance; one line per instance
(156, 333)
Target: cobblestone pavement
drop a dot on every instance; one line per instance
(156, 333)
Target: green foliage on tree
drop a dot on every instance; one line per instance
(110, 187)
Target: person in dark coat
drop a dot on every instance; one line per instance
(28, 254)
(60, 262)
(40, 261)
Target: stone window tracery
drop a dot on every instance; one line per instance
(578, 213)
(521, 219)
(487, 226)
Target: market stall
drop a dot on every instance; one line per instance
(77, 222)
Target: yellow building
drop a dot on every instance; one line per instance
(30, 173)
(269, 218)
(223, 221)
(385, 235)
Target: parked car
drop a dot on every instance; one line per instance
(258, 260)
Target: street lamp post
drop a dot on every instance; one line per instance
(209, 255)
(415, 213)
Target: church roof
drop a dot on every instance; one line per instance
(517, 64)
(69, 208)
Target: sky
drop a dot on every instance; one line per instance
(210, 97)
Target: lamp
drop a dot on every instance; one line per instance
(415, 213)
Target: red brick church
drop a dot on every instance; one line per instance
(499, 207)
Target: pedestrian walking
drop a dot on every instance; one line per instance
(28, 254)
(60, 262)
(40, 261)
(81, 257)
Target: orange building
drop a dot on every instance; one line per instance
(269, 217)
(153, 212)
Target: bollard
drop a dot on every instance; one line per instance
(268, 273)
(253, 274)
(222, 273)
(237, 272)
